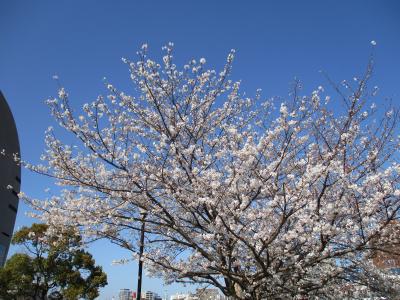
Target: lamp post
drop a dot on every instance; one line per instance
(141, 249)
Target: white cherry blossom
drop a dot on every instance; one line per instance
(262, 203)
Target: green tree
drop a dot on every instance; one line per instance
(55, 265)
(16, 277)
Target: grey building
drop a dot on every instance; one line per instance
(151, 296)
(125, 294)
(10, 177)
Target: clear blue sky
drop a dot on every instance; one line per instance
(83, 41)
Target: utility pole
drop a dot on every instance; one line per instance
(141, 249)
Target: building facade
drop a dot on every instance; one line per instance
(151, 296)
(125, 294)
(10, 177)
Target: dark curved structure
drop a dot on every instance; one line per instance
(10, 177)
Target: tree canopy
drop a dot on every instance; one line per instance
(51, 265)
(260, 198)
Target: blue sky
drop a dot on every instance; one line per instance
(276, 41)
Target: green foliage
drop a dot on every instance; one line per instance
(16, 277)
(57, 265)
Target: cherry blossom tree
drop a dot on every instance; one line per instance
(264, 199)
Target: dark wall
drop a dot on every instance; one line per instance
(10, 177)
